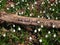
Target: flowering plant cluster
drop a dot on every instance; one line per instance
(14, 34)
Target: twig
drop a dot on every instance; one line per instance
(13, 18)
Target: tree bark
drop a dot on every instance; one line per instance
(13, 18)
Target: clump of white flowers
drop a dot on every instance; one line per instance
(20, 13)
(32, 6)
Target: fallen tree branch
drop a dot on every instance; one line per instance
(13, 18)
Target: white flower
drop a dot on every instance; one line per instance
(40, 40)
(39, 29)
(28, 8)
(53, 26)
(38, 21)
(38, 16)
(56, 2)
(48, 1)
(30, 38)
(19, 13)
(49, 32)
(12, 5)
(48, 17)
(52, 4)
(53, 9)
(42, 26)
(59, 1)
(22, 12)
(31, 14)
(46, 36)
(22, 0)
(19, 28)
(54, 35)
(40, 11)
(56, 18)
(42, 17)
(50, 8)
(17, 3)
(4, 35)
(35, 2)
(35, 30)
(43, 2)
(27, 4)
(0, 1)
(32, 7)
(13, 25)
(13, 30)
(44, 11)
(7, 8)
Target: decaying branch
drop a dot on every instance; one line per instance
(13, 18)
